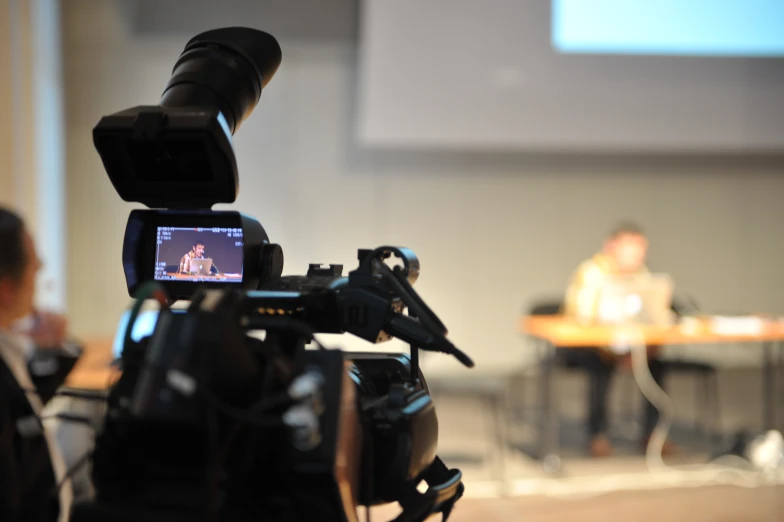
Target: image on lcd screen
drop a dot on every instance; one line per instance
(199, 254)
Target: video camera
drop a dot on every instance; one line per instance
(223, 413)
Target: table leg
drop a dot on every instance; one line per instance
(768, 390)
(549, 443)
(545, 368)
(501, 433)
(779, 404)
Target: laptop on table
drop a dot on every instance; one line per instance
(201, 266)
(644, 299)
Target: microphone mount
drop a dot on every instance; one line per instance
(369, 303)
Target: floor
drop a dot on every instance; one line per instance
(623, 488)
(688, 487)
(711, 504)
(466, 428)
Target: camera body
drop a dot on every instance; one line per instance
(180, 162)
(222, 413)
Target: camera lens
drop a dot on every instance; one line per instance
(224, 68)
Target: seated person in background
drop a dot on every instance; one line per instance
(31, 463)
(197, 252)
(624, 253)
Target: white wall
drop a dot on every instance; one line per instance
(32, 167)
(493, 231)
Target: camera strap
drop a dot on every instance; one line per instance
(445, 488)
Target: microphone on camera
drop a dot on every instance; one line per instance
(411, 330)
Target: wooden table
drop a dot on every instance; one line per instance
(561, 332)
(93, 371)
(564, 332)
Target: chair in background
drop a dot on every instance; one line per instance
(491, 390)
(707, 409)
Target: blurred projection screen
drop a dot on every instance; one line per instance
(572, 75)
(670, 27)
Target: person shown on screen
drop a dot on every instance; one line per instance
(624, 253)
(196, 252)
